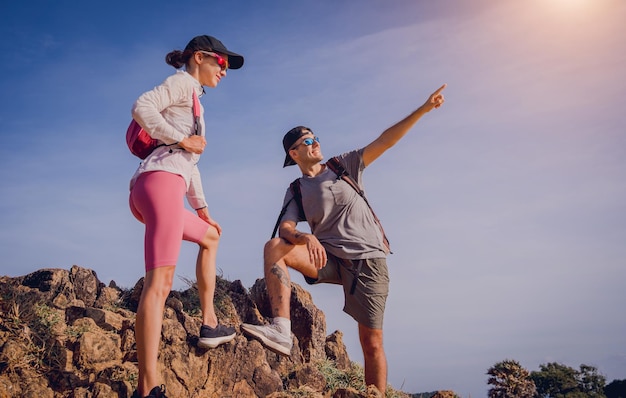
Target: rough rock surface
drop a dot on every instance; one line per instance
(66, 334)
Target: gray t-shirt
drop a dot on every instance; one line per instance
(337, 215)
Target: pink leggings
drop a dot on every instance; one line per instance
(157, 200)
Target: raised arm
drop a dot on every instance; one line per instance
(394, 133)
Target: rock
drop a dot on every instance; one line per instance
(336, 350)
(65, 334)
(98, 350)
(105, 320)
(444, 394)
(86, 284)
(108, 298)
(307, 375)
(308, 322)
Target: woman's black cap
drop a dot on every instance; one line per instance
(210, 43)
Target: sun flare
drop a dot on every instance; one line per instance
(573, 4)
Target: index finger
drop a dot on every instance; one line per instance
(440, 89)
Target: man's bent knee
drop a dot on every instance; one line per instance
(273, 244)
(275, 249)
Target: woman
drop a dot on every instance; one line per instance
(156, 199)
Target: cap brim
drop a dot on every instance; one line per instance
(235, 61)
(288, 161)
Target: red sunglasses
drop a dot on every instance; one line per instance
(221, 61)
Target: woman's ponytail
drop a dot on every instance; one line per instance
(178, 58)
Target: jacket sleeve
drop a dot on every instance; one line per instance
(147, 112)
(195, 193)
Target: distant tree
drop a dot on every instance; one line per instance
(510, 380)
(555, 380)
(591, 382)
(615, 389)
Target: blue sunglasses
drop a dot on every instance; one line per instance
(307, 142)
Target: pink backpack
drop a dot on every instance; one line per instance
(141, 144)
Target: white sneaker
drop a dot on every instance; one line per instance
(271, 337)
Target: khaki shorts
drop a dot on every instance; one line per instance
(366, 296)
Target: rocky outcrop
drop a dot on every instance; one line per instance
(445, 394)
(66, 334)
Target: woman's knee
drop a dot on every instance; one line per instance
(159, 282)
(210, 240)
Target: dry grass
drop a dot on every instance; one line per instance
(351, 378)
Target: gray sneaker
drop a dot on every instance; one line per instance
(271, 337)
(212, 337)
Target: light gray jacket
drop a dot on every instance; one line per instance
(166, 113)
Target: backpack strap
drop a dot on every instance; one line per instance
(196, 116)
(335, 165)
(196, 113)
(297, 195)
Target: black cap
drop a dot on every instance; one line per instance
(210, 43)
(290, 138)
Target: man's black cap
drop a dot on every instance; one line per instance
(290, 138)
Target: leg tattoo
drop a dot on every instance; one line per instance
(283, 279)
(282, 276)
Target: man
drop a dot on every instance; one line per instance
(346, 244)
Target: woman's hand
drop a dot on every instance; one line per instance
(204, 214)
(193, 144)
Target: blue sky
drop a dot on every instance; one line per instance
(506, 208)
